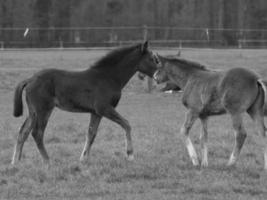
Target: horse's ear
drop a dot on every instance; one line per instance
(157, 59)
(178, 53)
(144, 46)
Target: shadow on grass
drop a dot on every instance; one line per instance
(237, 171)
(9, 171)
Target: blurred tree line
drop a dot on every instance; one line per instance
(217, 14)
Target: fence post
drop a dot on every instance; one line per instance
(2, 45)
(61, 44)
(149, 80)
(208, 36)
(239, 43)
(145, 32)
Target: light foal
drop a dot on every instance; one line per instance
(207, 93)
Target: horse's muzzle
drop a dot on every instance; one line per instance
(156, 77)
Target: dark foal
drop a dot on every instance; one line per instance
(96, 90)
(207, 92)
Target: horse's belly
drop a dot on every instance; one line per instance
(215, 112)
(214, 108)
(73, 106)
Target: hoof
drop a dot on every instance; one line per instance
(195, 161)
(130, 157)
(230, 164)
(232, 160)
(83, 159)
(204, 164)
(47, 165)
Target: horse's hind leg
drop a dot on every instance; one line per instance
(240, 136)
(90, 137)
(23, 135)
(189, 121)
(257, 117)
(259, 121)
(38, 133)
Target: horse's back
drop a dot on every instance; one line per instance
(239, 89)
(54, 79)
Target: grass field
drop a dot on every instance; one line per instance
(161, 169)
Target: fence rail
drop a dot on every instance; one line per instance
(87, 37)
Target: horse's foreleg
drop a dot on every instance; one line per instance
(90, 137)
(114, 116)
(189, 121)
(240, 136)
(23, 135)
(204, 141)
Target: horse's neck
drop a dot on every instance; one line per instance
(178, 75)
(181, 75)
(125, 75)
(124, 72)
(181, 81)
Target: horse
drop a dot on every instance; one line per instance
(96, 90)
(214, 92)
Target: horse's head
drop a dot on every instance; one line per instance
(160, 75)
(148, 63)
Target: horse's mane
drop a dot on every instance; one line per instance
(192, 64)
(114, 57)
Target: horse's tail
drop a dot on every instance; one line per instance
(18, 104)
(264, 85)
(263, 94)
(259, 104)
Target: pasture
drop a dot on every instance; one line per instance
(161, 169)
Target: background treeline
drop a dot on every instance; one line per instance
(222, 14)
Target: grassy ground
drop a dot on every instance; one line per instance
(161, 169)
